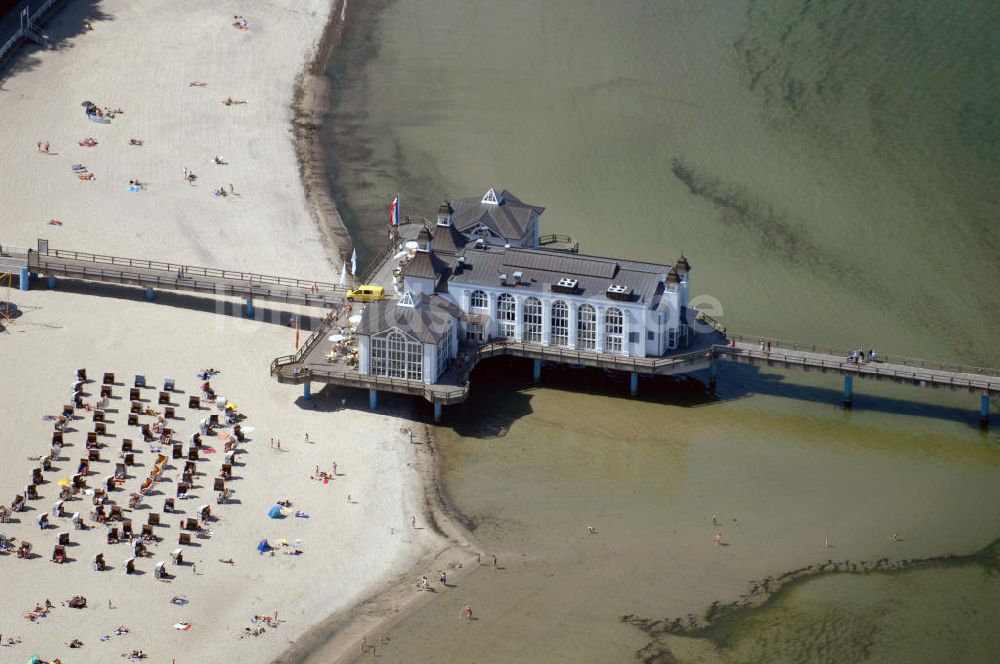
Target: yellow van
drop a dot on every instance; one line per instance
(366, 294)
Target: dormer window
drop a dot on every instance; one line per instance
(491, 198)
(619, 292)
(444, 214)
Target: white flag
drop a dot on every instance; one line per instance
(343, 275)
(354, 263)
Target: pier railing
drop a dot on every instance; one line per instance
(878, 370)
(387, 250)
(600, 360)
(184, 271)
(879, 357)
(559, 238)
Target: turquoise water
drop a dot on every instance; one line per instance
(830, 169)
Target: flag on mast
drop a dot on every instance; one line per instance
(354, 263)
(343, 275)
(394, 212)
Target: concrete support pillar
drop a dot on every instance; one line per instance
(848, 391)
(713, 371)
(307, 391)
(249, 307)
(372, 399)
(24, 276)
(536, 371)
(984, 411)
(633, 384)
(437, 416)
(52, 282)
(150, 294)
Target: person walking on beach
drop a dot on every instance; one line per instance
(494, 562)
(718, 539)
(39, 146)
(413, 520)
(46, 147)
(334, 468)
(307, 438)
(348, 497)
(715, 520)
(590, 529)
(467, 612)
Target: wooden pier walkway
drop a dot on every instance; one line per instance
(159, 275)
(312, 362)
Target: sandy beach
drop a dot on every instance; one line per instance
(143, 60)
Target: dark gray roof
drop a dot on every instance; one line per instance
(427, 321)
(541, 268)
(448, 240)
(425, 265)
(509, 219)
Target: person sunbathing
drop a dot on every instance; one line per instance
(197, 84)
(75, 643)
(134, 141)
(228, 561)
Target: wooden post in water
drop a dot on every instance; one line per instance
(536, 371)
(306, 391)
(372, 399)
(437, 414)
(848, 391)
(633, 384)
(984, 410)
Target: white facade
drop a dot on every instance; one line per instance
(396, 353)
(594, 324)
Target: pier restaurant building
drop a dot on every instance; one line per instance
(478, 275)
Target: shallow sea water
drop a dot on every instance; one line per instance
(830, 169)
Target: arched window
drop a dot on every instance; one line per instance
(479, 300)
(614, 329)
(396, 356)
(533, 320)
(506, 315)
(586, 328)
(559, 324)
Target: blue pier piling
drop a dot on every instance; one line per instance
(150, 294)
(52, 282)
(24, 276)
(372, 399)
(437, 412)
(713, 371)
(633, 384)
(984, 411)
(536, 371)
(848, 391)
(307, 391)
(249, 307)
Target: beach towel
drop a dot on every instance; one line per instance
(132, 188)
(183, 626)
(276, 513)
